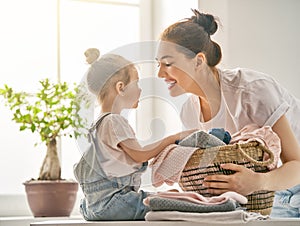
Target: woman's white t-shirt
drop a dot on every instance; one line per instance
(247, 97)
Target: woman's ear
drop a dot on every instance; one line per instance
(120, 88)
(200, 58)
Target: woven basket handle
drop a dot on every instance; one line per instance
(260, 163)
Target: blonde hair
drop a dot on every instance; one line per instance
(106, 72)
(123, 75)
(92, 54)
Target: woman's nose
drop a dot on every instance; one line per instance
(161, 73)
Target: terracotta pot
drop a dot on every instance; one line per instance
(51, 198)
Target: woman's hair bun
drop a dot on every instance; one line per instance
(207, 21)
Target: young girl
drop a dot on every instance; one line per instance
(110, 172)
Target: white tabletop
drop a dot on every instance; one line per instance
(269, 222)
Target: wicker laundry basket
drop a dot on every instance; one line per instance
(207, 161)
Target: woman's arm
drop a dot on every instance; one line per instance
(287, 175)
(142, 154)
(245, 181)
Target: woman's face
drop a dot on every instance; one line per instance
(176, 69)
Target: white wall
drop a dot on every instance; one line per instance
(152, 120)
(157, 115)
(260, 34)
(166, 13)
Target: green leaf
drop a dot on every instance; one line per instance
(23, 127)
(33, 127)
(51, 111)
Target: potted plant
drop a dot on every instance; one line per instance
(52, 112)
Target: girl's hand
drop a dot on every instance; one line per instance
(244, 181)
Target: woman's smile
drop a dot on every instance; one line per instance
(170, 83)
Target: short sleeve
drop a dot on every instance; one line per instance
(264, 101)
(115, 129)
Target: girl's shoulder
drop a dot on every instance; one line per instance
(109, 119)
(115, 118)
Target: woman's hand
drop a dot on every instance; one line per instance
(244, 181)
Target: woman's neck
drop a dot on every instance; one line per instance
(209, 93)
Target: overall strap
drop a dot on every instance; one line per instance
(93, 156)
(97, 122)
(94, 146)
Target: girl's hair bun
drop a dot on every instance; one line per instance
(92, 54)
(207, 21)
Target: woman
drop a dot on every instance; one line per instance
(231, 99)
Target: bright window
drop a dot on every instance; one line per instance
(47, 38)
(33, 47)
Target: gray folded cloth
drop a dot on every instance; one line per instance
(201, 139)
(167, 204)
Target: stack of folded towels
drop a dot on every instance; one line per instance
(191, 206)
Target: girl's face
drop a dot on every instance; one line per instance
(132, 91)
(175, 68)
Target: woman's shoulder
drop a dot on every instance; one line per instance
(243, 77)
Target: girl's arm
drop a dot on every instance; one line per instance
(245, 181)
(142, 154)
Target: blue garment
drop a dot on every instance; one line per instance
(287, 203)
(221, 134)
(108, 198)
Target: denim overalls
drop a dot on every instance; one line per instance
(287, 203)
(106, 198)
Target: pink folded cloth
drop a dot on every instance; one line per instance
(264, 135)
(168, 165)
(196, 198)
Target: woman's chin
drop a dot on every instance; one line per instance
(176, 92)
(135, 105)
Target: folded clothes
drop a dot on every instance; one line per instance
(196, 198)
(231, 217)
(167, 204)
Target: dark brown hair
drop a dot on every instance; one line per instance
(194, 35)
